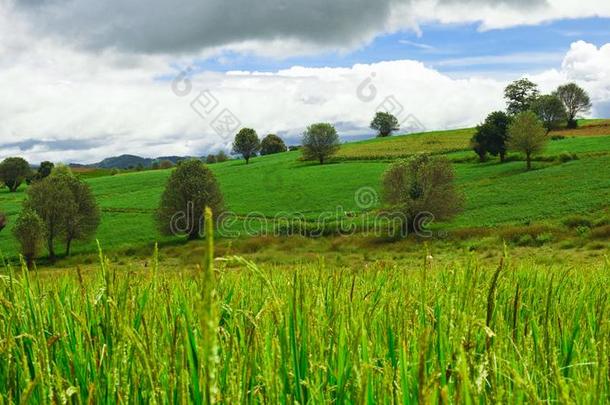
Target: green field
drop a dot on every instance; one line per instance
(496, 194)
(507, 305)
(464, 333)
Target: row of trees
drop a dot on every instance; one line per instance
(320, 141)
(58, 208)
(14, 171)
(248, 145)
(529, 118)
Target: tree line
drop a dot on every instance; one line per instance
(529, 118)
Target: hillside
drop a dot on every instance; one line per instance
(496, 194)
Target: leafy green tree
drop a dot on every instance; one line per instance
(527, 134)
(385, 123)
(272, 144)
(29, 231)
(13, 172)
(84, 221)
(491, 136)
(246, 143)
(53, 201)
(189, 189)
(551, 111)
(210, 159)
(422, 185)
(520, 95)
(44, 170)
(320, 142)
(576, 101)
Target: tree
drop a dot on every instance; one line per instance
(526, 134)
(29, 231)
(550, 110)
(44, 170)
(85, 219)
(272, 144)
(210, 159)
(52, 199)
(385, 123)
(519, 95)
(491, 136)
(13, 172)
(246, 143)
(221, 157)
(189, 189)
(421, 185)
(576, 101)
(320, 142)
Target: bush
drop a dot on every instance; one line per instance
(29, 231)
(165, 164)
(423, 185)
(517, 234)
(210, 159)
(221, 157)
(574, 221)
(602, 232)
(13, 172)
(567, 156)
(189, 190)
(557, 137)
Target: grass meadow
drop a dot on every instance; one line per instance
(233, 332)
(506, 303)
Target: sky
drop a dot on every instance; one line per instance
(82, 80)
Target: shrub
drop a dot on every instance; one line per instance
(582, 230)
(13, 172)
(557, 137)
(423, 185)
(29, 231)
(210, 159)
(574, 221)
(246, 143)
(114, 172)
(567, 156)
(514, 234)
(272, 144)
(544, 238)
(602, 232)
(320, 142)
(189, 189)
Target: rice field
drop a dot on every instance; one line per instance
(228, 331)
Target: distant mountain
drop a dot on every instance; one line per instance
(130, 162)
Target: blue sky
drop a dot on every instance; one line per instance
(455, 49)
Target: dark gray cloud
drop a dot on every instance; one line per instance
(167, 26)
(63, 144)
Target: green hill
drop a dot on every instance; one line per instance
(496, 194)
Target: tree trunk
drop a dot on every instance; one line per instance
(528, 158)
(51, 248)
(247, 160)
(29, 262)
(502, 157)
(68, 246)
(321, 160)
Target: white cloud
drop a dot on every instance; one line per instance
(63, 104)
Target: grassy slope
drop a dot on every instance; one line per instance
(495, 193)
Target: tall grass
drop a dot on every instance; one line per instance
(231, 332)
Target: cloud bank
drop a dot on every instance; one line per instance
(111, 93)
